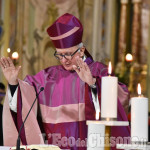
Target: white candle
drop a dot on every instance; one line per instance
(109, 96)
(139, 118)
(96, 136)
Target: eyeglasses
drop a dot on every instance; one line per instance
(66, 56)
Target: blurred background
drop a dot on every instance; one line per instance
(114, 30)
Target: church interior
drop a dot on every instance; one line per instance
(114, 30)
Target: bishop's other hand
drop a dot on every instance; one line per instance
(9, 70)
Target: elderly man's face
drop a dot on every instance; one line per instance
(70, 56)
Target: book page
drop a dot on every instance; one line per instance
(38, 147)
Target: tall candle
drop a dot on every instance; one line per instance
(109, 96)
(139, 118)
(96, 136)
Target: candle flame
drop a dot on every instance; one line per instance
(97, 114)
(15, 55)
(8, 50)
(109, 68)
(129, 57)
(139, 89)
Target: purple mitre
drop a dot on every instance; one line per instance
(66, 31)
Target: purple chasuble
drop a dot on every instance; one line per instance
(62, 105)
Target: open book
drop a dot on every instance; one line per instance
(37, 147)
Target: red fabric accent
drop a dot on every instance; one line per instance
(89, 106)
(98, 84)
(19, 118)
(129, 116)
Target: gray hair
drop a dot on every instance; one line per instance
(80, 45)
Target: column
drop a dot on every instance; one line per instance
(122, 31)
(96, 37)
(136, 30)
(5, 39)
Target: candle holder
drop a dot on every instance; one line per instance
(109, 93)
(109, 119)
(103, 131)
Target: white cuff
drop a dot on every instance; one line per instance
(12, 100)
(95, 101)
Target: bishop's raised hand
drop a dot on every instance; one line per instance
(84, 71)
(9, 70)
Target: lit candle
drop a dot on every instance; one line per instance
(129, 57)
(96, 134)
(139, 118)
(15, 55)
(8, 50)
(109, 96)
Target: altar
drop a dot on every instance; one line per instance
(4, 148)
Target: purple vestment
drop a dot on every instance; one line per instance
(66, 104)
(64, 90)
